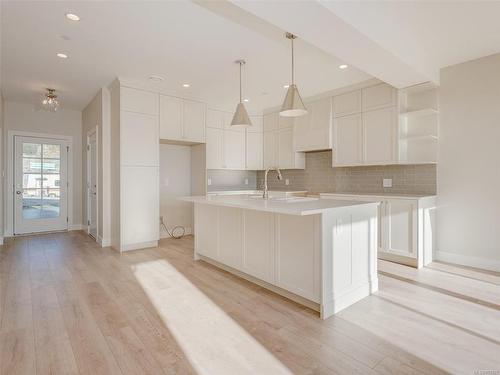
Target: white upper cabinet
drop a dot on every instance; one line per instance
(194, 121)
(285, 122)
(139, 137)
(254, 150)
(379, 139)
(214, 148)
(234, 149)
(271, 121)
(140, 101)
(257, 124)
(313, 131)
(287, 157)
(348, 141)
(270, 149)
(347, 104)
(170, 117)
(215, 119)
(379, 96)
(182, 120)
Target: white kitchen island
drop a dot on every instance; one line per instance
(318, 252)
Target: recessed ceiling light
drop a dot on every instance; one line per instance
(62, 55)
(186, 85)
(156, 78)
(343, 66)
(246, 100)
(286, 86)
(72, 17)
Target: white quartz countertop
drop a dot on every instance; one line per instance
(283, 205)
(377, 196)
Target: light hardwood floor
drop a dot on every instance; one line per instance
(68, 307)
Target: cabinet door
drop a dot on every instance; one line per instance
(297, 255)
(270, 149)
(285, 122)
(271, 121)
(399, 227)
(254, 151)
(214, 149)
(230, 237)
(215, 119)
(285, 149)
(379, 136)
(258, 249)
(170, 117)
(257, 124)
(206, 230)
(379, 96)
(301, 128)
(320, 126)
(139, 139)
(234, 149)
(348, 141)
(140, 204)
(347, 104)
(139, 101)
(194, 121)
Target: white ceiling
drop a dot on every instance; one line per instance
(182, 41)
(400, 42)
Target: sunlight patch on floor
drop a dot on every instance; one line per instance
(211, 340)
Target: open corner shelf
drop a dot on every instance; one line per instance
(419, 113)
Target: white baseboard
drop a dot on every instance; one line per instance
(76, 227)
(104, 242)
(164, 234)
(466, 260)
(137, 246)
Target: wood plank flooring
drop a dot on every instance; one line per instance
(70, 307)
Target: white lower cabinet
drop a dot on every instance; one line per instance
(297, 252)
(230, 237)
(406, 232)
(139, 206)
(282, 250)
(258, 253)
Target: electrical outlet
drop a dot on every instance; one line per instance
(287, 181)
(209, 181)
(246, 181)
(387, 182)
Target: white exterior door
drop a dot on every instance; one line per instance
(92, 185)
(40, 185)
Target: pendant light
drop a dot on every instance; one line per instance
(50, 102)
(240, 117)
(293, 106)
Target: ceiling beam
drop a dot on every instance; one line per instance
(319, 26)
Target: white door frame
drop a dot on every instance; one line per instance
(9, 181)
(91, 132)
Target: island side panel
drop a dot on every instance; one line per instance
(206, 231)
(349, 251)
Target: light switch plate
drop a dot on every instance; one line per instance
(246, 181)
(209, 181)
(287, 181)
(387, 182)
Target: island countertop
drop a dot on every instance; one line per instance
(285, 205)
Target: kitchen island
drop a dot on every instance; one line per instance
(318, 252)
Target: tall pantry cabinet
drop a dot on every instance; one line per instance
(135, 167)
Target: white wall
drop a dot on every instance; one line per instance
(468, 173)
(175, 181)
(25, 117)
(97, 113)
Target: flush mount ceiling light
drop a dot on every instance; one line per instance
(240, 117)
(72, 17)
(156, 78)
(343, 66)
(62, 55)
(293, 106)
(50, 102)
(186, 85)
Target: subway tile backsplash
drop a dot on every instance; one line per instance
(320, 177)
(231, 180)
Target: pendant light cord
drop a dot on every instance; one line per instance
(293, 65)
(240, 80)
